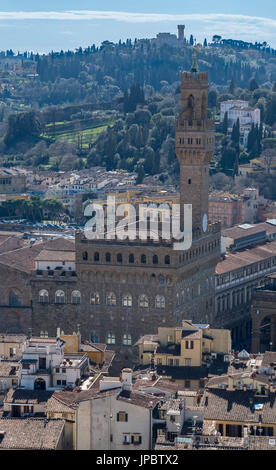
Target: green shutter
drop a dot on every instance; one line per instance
(118, 416)
(126, 417)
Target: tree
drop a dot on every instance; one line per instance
(224, 126)
(22, 126)
(212, 98)
(235, 136)
(191, 40)
(253, 85)
(269, 156)
(232, 87)
(205, 42)
(140, 172)
(229, 160)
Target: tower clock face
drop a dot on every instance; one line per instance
(204, 222)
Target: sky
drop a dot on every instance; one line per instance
(43, 26)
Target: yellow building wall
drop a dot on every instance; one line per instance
(72, 343)
(222, 340)
(194, 354)
(95, 356)
(164, 333)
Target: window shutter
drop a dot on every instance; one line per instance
(118, 416)
(126, 417)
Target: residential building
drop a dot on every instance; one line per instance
(44, 366)
(232, 209)
(111, 415)
(11, 345)
(239, 109)
(12, 181)
(239, 413)
(188, 345)
(8, 375)
(186, 353)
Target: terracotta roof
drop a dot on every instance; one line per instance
(238, 232)
(185, 372)
(160, 383)
(87, 346)
(235, 405)
(147, 339)
(60, 243)
(246, 257)
(138, 398)
(51, 255)
(23, 259)
(33, 434)
(33, 397)
(55, 405)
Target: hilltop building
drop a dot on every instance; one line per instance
(239, 109)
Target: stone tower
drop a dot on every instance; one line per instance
(181, 29)
(129, 288)
(194, 144)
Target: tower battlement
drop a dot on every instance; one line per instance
(197, 80)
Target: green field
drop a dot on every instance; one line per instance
(82, 132)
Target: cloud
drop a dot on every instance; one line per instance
(225, 24)
(131, 17)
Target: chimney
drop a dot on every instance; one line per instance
(126, 379)
(58, 332)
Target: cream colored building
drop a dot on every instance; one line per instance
(188, 345)
(11, 345)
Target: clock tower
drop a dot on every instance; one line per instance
(194, 145)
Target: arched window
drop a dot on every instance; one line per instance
(119, 258)
(110, 338)
(85, 256)
(131, 258)
(39, 384)
(161, 280)
(111, 298)
(167, 259)
(108, 257)
(94, 337)
(182, 297)
(95, 298)
(155, 259)
(76, 297)
(43, 296)
(127, 339)
(160, 301)
(143, 301)
(127, 300)
(14, 298)
(143, 259)
(60, 297)
(96, 256)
